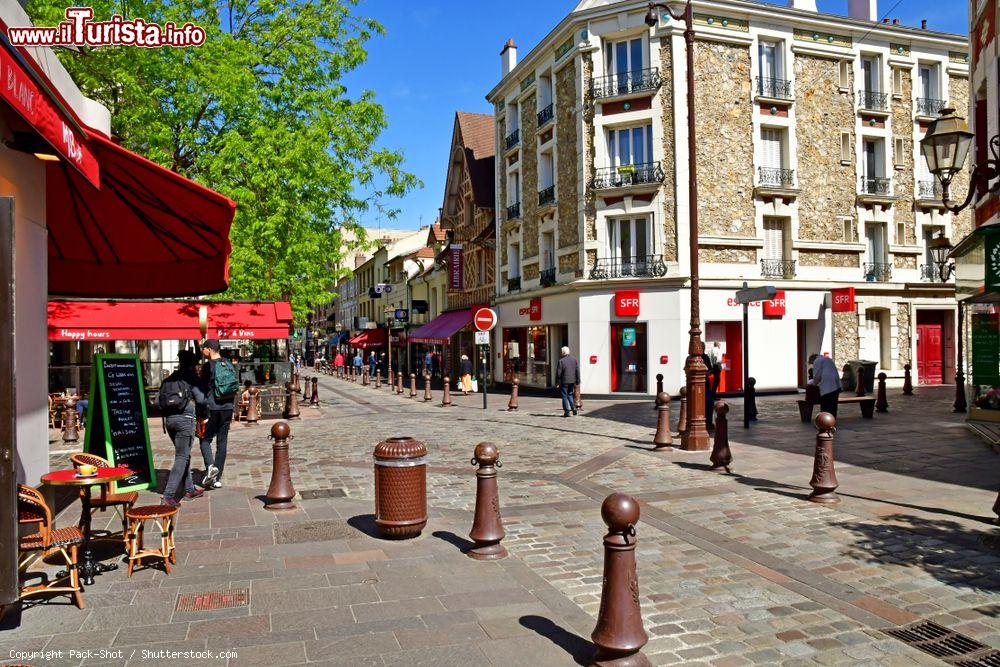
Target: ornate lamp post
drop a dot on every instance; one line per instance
(696, 435)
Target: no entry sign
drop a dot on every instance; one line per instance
(485, 319)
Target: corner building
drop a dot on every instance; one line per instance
(810, 179)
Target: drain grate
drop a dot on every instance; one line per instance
(312, 494)
(946, 644)
(313, 531)
(210, 600)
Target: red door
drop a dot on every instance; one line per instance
(929, 353)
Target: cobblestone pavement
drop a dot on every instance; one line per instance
(733, 569)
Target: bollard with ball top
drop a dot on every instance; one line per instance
(662, 441)
(907, 381)
(824, 478)
(70, 431)
(378, 380)
(291, 402)
(619, 634)
(512, 403)
(364, 376)
(297, 379)
(399, 383)
(487, 527)
(413, 385)
(881, 402)
(280, 492)
(682, 417)
(314, 399)
(446, 393)
(253, 406)
(427, 387)
(721, 455)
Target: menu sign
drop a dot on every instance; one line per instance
(985, 349)
(116, 419)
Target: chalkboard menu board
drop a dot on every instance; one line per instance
(116, 419)
(985, 349)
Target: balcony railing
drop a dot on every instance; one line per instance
(514, 284)
(777, 268)
(548, 277)
(775, 177)
(878, 272)
(626, 83)
(547, 196)
(930, 273)
(927, 106)
(513, 139)
(929, 189)
(780, 89)
(545, 115)
(872, 101)
(628, 174)
(879, 185)
(650, 266)
(514, 211)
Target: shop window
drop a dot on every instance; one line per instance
(526, 355)
(628, 357)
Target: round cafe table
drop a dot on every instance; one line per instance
(88, 566)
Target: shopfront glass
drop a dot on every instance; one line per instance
(526, 355)
(628, 357)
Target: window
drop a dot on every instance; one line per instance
(546, 173)
(513, 188)
(850, 231)
(845, 147)
(514, 260)
(897, 81)
(899, 152)
(625, 58)
(544, 91)
(630, 145)
(548, 250)
(874, 160)
(774, 239)
(772, 147)
(901, 233)
(845, 75)
(513, 118)
(628, 240)
(870, 74)
(875, 243)
(770, 65)
(928, 82)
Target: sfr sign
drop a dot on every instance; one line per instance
(627, 303)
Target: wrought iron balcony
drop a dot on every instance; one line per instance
(514, 211)
(626, 83)
(514, 284)
(545, 115)
(650, 266)
(878, 272)
(628, 174)
(872, 101)
(929, 190)
(930, 273)
(775, 177)
(513, 139)
(547, 196)
(878, 185)
(548, 277)
(927, 106)
(779, 89)
(777, 268)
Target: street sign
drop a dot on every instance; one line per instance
(482, 338)
(485, 319)
(753, 294)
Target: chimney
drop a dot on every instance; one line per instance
(809, 5)
(866, 10)
(923, 24)
(508, 57)
(895, 21)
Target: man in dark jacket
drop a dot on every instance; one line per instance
(180, 428)
(567, 377)
(220, 416)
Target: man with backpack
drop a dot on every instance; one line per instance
(177, 398)
(220, 385)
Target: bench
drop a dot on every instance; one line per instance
(866, 403)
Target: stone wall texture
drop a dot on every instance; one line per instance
(529, 177)
(846, 345)
(569, 263)
(833, 259)
(530, 271)
(669, 189)
(903, 334)
(724, 129)
(727, 255)
(958, 94)
(567, 160)
(902, 179)
(904, 261)
(822, 112)
(589, 201)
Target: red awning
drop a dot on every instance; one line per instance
(168, 320)
(368, 339)
(442, 327)
(147, 232)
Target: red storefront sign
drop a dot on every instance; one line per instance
(456, 267)
(627, 303)
(776, 306)
(533, 310)
(843, 300)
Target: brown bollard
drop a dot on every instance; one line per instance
(446, 393)
(907, 381)
(682, 418)
(291, 402)
(619, 634)
(881, 402)
(487, 527)
(859, 390)
(399, 383)
(824, 479)
(253, 407)
(512, 403)
(378, 380)
(721, 455)
(314, 400)
(280, 492)
(577, 401)
(364, 376)
(662, 441)
(427, 387)
(71, 430)
(413, 385)
(400, 487)
(297, 380)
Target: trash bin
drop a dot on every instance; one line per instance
(869, 376)
(400, 487)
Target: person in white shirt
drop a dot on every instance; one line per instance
(825, 377)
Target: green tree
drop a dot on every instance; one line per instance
(259, 113)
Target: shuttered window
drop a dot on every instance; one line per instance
(772, 152)
(774, 239)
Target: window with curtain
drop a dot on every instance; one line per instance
(875, 243)
(629, 242)
(769, 60)
(630, 145)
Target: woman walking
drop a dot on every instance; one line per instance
(465, 373)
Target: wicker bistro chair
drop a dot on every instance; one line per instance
(120, 502)
(163, 516)
(32, 509)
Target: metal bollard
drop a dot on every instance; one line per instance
(663, 440)
(291, 403)
(297, 379)
(751, 398)
(427, 387)
(721, 455)
(577, 401)
(682, 418)
(280, 492)
(413, 385)
(314, 399)
(70, 430)
(399, 383)
(400, 487)
(907, 381)
(619, 634)
(487, 527)
(859, 390)
(824, 478)
(881, 402)
(378, 380)
(364, 376)
(512, 403)
(446, 393)
(253, 407)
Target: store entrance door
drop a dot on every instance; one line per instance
(628, 357)
(930, 347)
(729, 335)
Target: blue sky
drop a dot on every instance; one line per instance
(443, 56)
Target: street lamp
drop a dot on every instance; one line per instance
(695, 370)
(946, 146)
(939, 247)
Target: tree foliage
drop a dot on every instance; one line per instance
(258, 112)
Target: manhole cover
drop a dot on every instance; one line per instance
(313, 531)
(239, 597)
(950, 646)
(312, 494)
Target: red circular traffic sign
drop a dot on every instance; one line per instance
(485, 319)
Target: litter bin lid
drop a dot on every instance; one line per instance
(403, 447)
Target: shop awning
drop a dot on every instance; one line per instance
(442, 327)
(146, 232)
(168, 320)
(369, 339)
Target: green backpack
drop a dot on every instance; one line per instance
(225, 383)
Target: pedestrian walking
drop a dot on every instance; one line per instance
(465, 374)
(711, 386)
(429, 363)
(178, 396)
(567, 377)
(220, 385)
(825, 377)
(358, 363)
(338, 363)
(372, 364)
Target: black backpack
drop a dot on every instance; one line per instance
(174, 396)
